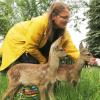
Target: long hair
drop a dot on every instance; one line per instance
(55, 9)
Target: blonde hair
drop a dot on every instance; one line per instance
(57, 7)
(54, 10)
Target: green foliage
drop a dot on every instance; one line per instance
(13, 11)
(3, 24)
(93, 37)
(5, 9)
(32, 8)
(8, 15)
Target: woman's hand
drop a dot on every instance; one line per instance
(92, 61)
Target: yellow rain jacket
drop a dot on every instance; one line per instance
(29, 36)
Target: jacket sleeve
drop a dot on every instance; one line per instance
(34, 51)
(69, 47)
(34, 37)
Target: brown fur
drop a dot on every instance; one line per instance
(71, 73)
(43, 74)
(35, 74)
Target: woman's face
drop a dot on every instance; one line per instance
(61, 19)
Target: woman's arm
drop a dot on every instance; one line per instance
(69, 47)
(35, 35)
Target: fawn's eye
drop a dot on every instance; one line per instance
(58, 48)
(61, 49)
(88, 54)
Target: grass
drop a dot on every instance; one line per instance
(87, 89)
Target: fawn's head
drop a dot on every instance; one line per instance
(56, 49)
(85, 53)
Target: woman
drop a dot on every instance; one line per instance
(30, 41)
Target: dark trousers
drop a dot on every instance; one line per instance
(27, 58)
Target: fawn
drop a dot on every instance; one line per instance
(71, 73)
(35, 74)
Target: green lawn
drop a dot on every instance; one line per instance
(87, 89)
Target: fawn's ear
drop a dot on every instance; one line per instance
(81, 46)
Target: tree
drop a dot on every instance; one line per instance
(5, 11)
(93, 36)
(8, 15)
(32, 8)
(19, 10)
(13, 11)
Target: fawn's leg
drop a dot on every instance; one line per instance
(74, 77)
(50, 91)
(11, 91)
(42, 90)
